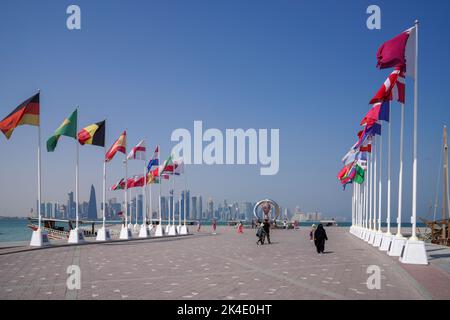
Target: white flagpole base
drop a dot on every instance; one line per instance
(159, 231)
(150, 228)
(125, 233)
(130, 226)
(103, 234)
(414, 252)
(371, 237)
(367, 235)
(76, 236)
(397, 245)
(362, 234)
(143, 232)
(184, 230)
(352, 229)
(136, 227)
(385, 242)
(39, 239)
(378, 238)
(166, 231)
(179, 228)
(173, 231)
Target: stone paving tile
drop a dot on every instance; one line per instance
(224, 266)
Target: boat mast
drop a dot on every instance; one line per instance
(445, 205)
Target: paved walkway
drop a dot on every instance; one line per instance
(226, 265)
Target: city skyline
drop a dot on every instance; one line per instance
(220, 79)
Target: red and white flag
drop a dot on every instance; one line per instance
(137, 152)
(393, 87)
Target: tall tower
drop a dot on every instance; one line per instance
(92, 207)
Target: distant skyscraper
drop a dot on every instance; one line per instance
(194, 210)
(70, 209)
(210, 206)
(200, 208)
(49, 210)
(92, 207)
(185, 196)
(140, 205)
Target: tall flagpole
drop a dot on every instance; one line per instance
(374, 221)
(370, 190)
(160, 183)
(380, 184)
(388, 219)
(39, 174)
(353, 206)
(369, 158)
(186, 198)
(400, 174)
(77, 185)
(416, 106)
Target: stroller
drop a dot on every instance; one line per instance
(261, 234)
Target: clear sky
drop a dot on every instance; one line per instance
(305, 67)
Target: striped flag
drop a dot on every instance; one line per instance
(119, 146)
(137, 152)
(154, 161)
(93, 134)
(26, 113)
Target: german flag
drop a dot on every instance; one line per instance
(26, 113)
(93, 134)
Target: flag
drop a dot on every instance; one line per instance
(120, 145)
(350, 157)
(359, 174)
(26, 113)
(178, 166)
(93, 134)
(385, 91)
(379, 111)
(399, 52)
(366, 148)
(154, 161)
(399, 91)
(67, 128)
(137, 152)
(167, 166)
(120, 185)
(151, 178)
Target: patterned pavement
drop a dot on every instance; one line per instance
(226, 265)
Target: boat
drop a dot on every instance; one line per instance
(438, 229)
(329, 223)
(58, 229)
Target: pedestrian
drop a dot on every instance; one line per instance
(320, 236)
(240, 227)
(266, 227)
(285, 224)
(253, 223)
(311, 233)
(199, 224)
(214, 225)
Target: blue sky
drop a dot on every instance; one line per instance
(305, 67)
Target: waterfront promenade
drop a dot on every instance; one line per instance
(225, 265)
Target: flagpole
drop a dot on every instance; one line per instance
(416, 106)
(76, 185)
(374, 221)
(353, 206)
(400, 174)
(388, 219)
(380, 184)
(368, 195)
(39, 175)
(185, 195)
(160, 183)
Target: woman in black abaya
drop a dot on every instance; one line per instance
(320, 236)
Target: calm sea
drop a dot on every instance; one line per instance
(14, 229)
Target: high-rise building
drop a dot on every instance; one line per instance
(194, 209)
(49, 210)
(92, 206)
(210, 209)
(70, 214)
(185, 196)
(200, 208)
(140, 206)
